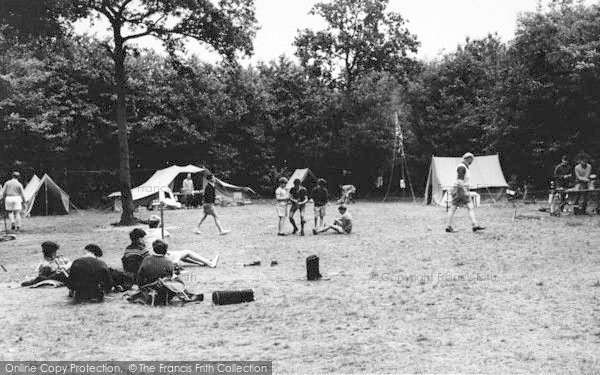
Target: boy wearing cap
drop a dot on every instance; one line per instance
(343, 225)
(154, 231)
(282, 198)
(209, 205)
(461, 196)
(298, 197)
(14, 197)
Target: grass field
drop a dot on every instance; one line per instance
(403, 296)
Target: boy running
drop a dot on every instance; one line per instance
(343, 225)
(209, 205)
(298, 197)
(320, 197)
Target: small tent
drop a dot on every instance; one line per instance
(305, 175)
(169, 179)
(44, 197)
(487, 178)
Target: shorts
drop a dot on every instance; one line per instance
(209, 209)
(461, 197)
(175, 256)
(281, 210)
(13, 203)
(320, 210)
(295, 208)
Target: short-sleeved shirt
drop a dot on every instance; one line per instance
(320, 196)
(346, 220)
(209, 194)
(13, 188)
(153, 234)
(299, 193)
(281, 195)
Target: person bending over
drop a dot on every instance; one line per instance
(343, 225)
(298, 197)
(52, 267)
(90, 278)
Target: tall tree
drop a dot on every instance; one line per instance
(227, 26)
(360, 37)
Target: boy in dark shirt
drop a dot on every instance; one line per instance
(320, 197)
(209, 205)
(90, 277)
(298, 197)
(155, 266)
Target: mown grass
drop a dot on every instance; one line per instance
(403, 296)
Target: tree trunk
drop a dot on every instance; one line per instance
(124, 168)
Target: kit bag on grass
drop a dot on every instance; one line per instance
(163, 292)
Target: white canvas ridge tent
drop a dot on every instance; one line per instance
(487, 178)
(169, 179)
(44, 197)
(305, 175)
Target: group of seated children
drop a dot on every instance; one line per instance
(89, 278)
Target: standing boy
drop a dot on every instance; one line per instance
(461, 195)
(14, 197)
(298, 197)
(320, 197)
(209, 205)
(282, 198)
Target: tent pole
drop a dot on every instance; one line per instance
(162, 221)
(46, 196)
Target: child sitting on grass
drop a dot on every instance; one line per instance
(52, 267)
(343, 225)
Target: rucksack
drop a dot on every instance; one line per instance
(164, 292)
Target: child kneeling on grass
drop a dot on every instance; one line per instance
(52, 267)
(343, 225)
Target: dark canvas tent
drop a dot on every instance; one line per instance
(487, 178)
(44, 197)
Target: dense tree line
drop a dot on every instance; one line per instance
(530, 99)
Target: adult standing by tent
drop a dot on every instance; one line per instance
(282, 198)
(187, 190)
(209, 205)
(14, 197)
(461, 195)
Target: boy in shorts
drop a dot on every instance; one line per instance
(320, 197)
(282, 198)
(343, 225)
(298, 197)
(209, 205)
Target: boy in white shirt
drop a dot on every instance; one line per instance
(282, 197)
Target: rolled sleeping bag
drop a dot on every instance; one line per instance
(230, 297)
